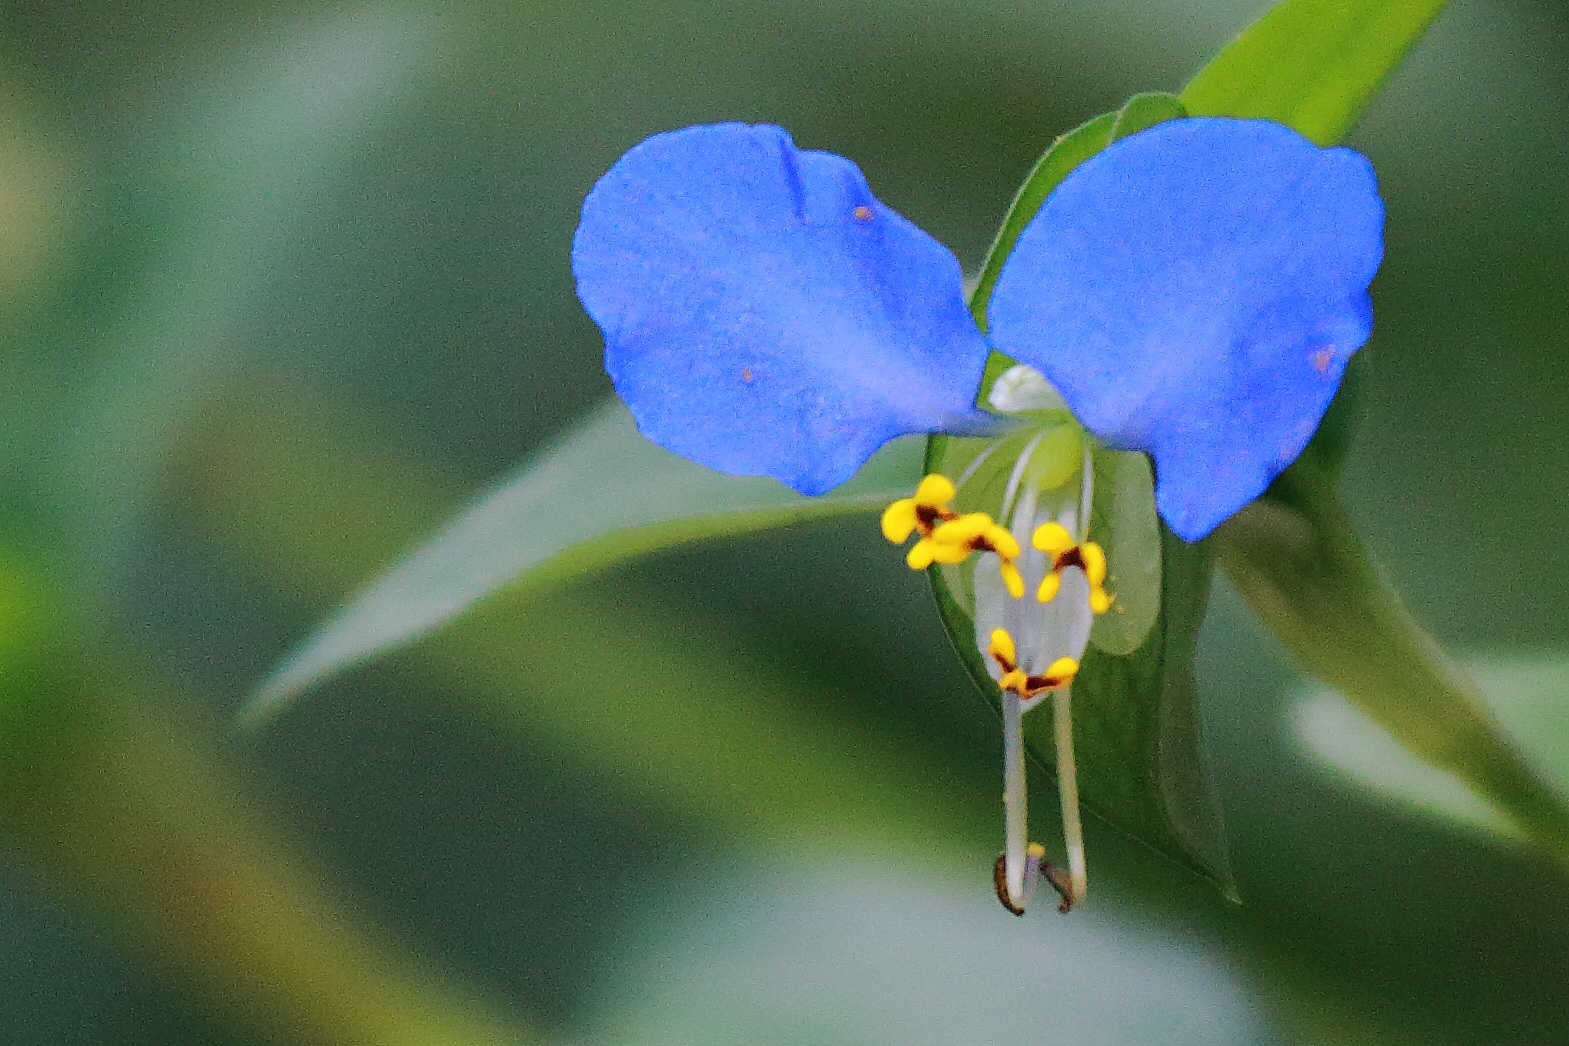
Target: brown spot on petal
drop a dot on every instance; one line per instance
(863, 213)
(746, 375)
(1322, 359)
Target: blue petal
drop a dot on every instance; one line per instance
(764, 314)
(1195, 291)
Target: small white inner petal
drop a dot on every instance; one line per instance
(1042, 632)
(1021, 388)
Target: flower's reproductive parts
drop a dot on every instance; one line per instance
(1035, 584)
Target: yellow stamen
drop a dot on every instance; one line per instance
(935, 490)
(1002, 543)
(947, 537)
(963, 530)
(1015, 680)
(1054, 540)
(1062, 672)
(1094, 563)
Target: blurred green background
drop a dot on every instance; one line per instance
(285, 284)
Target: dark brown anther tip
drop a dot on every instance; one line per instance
(1000, 884)
(1061, 883)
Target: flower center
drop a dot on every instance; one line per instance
(1026, 506)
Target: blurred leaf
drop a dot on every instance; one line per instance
(241, 168)
(602, 495)
(1300, 564)
(1527, 693)
(863, 952)
(708, 723)
(109, 800)
(1311, 64)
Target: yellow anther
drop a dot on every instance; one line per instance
(899, 520)
(1054, 540)
(1035, 850)
(1061, 672)
(963, 530)
(1002, 649)
(927, 551)
(1003, 543)
(1094, 563)
(947, 537)
(923, 512)
(1015, 680)
(935, 491)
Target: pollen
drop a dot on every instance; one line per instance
(1054, 540)
(1015, 680)
(863, 213)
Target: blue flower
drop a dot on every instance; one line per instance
(1193, 292)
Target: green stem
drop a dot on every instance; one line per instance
(1296, 558)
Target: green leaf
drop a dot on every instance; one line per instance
(1143, 111)
(1311, 64)
(602, 495)
(1139, 747)
(256, 150)
(1299, 563)
(1067, 152)
(1527, 693)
